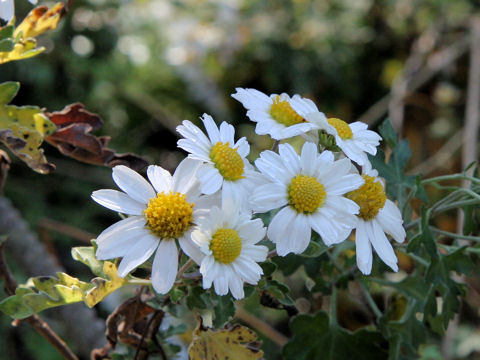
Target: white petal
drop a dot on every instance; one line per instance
(256, 253)
(165, 266)
(331, 229)
(343, 184)
(341, 204)
(279, 224)
(7, 9)
(236, 287)
(160, 178)
(207, 269)
(252, 231)
(299, 235)
(221, 282)
(210, 179)
(133, 184)
(268, 197)
(249, 271)
(302, 106)
(138, 254)
(363, 249)
(252, 99)
(118, 201)
(212, 129)
(390, 219)
(289, 157)
(242, 146)
(308, 158)
(381, 244)
(121, 226)
(272, 166)
(184, 177)
(120, 244)
(227, 133)
(190, 248)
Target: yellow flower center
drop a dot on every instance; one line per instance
(226, 245)
(370, 197)
(282, 112)
(306, 194)
(227, 161)
(169, 215)
(342, 127)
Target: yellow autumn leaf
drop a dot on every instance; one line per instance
(23, 129)
(239, 343)
(40, 20)
(104, 287)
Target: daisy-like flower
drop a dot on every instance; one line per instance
(225, 249)
(354, 139)
(160, 212)
(224, 161)
(377, 216)
(309, 190)
(273, 114)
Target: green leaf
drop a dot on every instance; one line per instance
(268, 268)
(224, 309)
(8, 90)
(314, 250)
(86, 255)
(314, 337)
(6, 32)
(197, 298)
(6, 45)
(388, 133)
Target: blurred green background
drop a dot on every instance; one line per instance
(144, 66)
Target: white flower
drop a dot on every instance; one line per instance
(224, 161)
(273, 114)
(159, 215)
(309, 190)
(7, 9)
(377, 216)
(225, 250)
(354, 139)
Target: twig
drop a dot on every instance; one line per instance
(440, 157)
(4, 167)
(277, 337)
(65, 229)
(435, 63)
(35, 321)
(184, 268)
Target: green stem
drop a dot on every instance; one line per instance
(333, 306)
(450, 177)
(370, 300)
(140, 282)
(453, 235)
(418, 259)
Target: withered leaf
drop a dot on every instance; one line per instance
(238, 342)
(74, 124)
(40, 20)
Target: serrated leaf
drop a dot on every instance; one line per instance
(314, 337)
(239, 343)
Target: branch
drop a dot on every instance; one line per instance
(277, 337)
(4, 167)
(76, 317)
(35, 321)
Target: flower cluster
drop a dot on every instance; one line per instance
(210, 203)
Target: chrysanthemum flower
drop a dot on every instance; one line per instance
(226, 252)
(377, 216)
(224, 161)
(354, 139)
(273, 114)
(309, 190)
(161, 212)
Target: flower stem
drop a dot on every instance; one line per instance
(369, 299)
